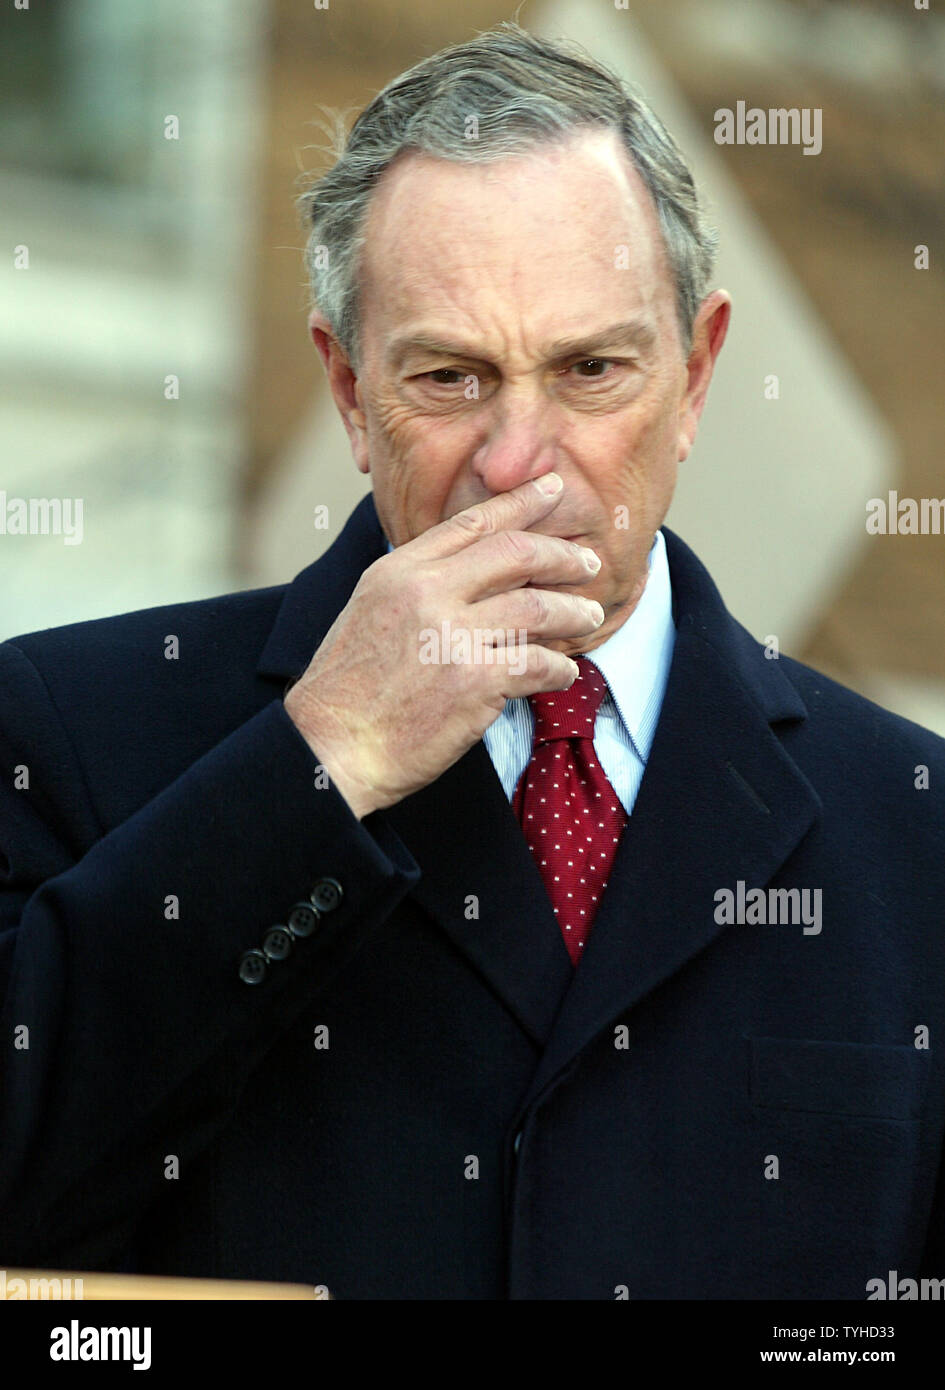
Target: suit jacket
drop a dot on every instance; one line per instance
(424, 1100)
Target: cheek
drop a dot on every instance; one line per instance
(415, 463)
(635, 455)
(651, 456)
(641, 483)
(656, 422)
(390, 428)
(398, 430)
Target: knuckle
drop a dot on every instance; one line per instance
(542, 663)
(522, 501)
(371, 575)
(536, 606)
(518, 546)
(472, 523)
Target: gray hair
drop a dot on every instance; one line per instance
(523, 92)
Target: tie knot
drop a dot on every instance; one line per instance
(569, 713)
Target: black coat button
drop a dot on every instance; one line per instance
(326, 895)
(302, 920)
(252, 967)
(277, 943)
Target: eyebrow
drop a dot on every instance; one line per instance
(631, 333)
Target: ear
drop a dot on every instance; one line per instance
(344, 386)
(708, 335)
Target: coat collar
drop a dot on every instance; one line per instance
(317, 595)
(720, 796)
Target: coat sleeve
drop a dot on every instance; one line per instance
(126, 1033)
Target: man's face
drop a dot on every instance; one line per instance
(519, 318)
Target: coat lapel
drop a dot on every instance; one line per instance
(468, 843)
(720, 801)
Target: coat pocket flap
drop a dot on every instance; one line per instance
(839, 1078)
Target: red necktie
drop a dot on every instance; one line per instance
(569, 813)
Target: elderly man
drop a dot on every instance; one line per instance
(483, 915)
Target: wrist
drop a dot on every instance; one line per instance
(333, 752)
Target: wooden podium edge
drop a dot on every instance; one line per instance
(80, 1286)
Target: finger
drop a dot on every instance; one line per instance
(542, 614)
(514, 510)
(512, 559)
(527, 670)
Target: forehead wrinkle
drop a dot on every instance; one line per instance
(631, 333)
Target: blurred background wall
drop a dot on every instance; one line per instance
(156, 363)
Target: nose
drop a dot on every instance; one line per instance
(520, 444)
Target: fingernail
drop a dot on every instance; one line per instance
(548, 484)
(591, 560)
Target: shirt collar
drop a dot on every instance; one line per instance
(635, 660)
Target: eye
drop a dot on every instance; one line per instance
(595, 362)
(440, 376)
